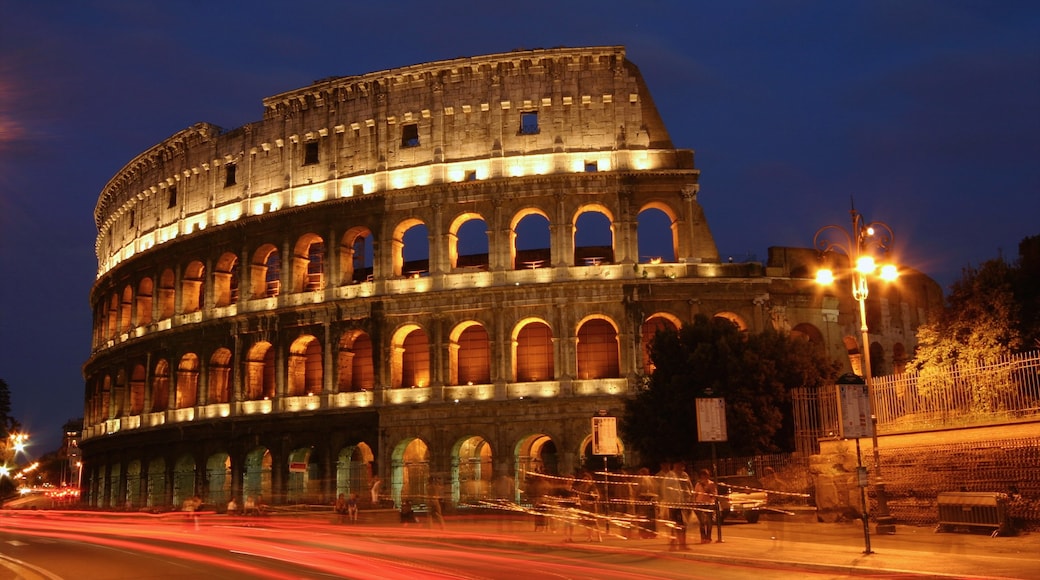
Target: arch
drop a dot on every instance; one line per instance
(308, 269)
(356, 256)
(260, 378)
(193, 287)
(657, 322)
(218, 479)
(305, 367)
(855, 355)
(735, 318)
(161, 386)
(657, 233)
(471, 466)
(410, 357)
(265, 277)
(167, 294)
(187, 386)
(536, 453)
(899, 358)
(219, 380)
(134, 499)
(144, 302)
(304, 483)
(410, 249)
(256, 475)
(112, 317)
(410, 470)
(137, 387)
(156, 493)
(593, 236)
(183, 479)
(468, 242)
(354, 471)
(533, 358)
(592, 462)
(125, 308)
(356, 366)
(470, 354)
(225, 280)
(530, 240)
(597, 350)
(878, 360)
(810, 333)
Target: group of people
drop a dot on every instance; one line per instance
(670, 496)
(346, 508)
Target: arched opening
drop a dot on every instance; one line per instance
(125, 308)
(597, 350)
(411, 249)
(354, 472)
(659, 322)
(187, 382)
(533, 347)
(219, 380)
(593, 237)
(471, 470)
(304, 484)
(225, 280)
(308, 270)
(656, 233)
(133, 485)
(733, 318)
(536, 454)
(256, 477)
(161, 386)
(530, 240)
(355, 366)
(260, 377)
(468, 242)
(144, 302)
(410, 470)
(266, 272)
(305, 367)
(156, 482)
(471, 355)
(410, 362)
(218, 480)
(137, 388)
(167, 294)
(183, 479)
(356, 256)
(193, 287)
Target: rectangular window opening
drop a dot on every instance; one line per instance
(229, 174)
(132, 214)
(310, 153)
(410, 135)
(591, 166)
(471, 175)
(529, 123)
(172, 199)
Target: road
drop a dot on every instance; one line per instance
(55, 545)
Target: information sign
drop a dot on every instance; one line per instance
(711, 419)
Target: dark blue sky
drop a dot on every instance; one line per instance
(926, 112)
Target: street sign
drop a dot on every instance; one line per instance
(604, 436)
(711, 419)
(854, 419)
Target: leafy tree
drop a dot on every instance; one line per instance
(993, 310)
(7, 423)
(753, 373)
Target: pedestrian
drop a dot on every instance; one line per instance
(587, 494)
(352, 508)
(682, 489)
(232, 507)
(407, 512)
(250, 506)
(340, 508)
(374, 491)
(433, 505)
(705, 498)
(646, 489)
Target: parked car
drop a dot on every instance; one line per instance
(740, 496)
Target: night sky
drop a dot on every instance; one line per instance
(926, 113)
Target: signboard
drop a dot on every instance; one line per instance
(604, 436)
(854, 410)
(297, 467)
(711, 419)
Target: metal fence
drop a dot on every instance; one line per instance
(959, 395)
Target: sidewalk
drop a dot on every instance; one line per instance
(833, 548)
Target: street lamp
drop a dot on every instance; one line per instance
(861, 245)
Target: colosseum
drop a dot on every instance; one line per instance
(442, 270)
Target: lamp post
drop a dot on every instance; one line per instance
(860, 245)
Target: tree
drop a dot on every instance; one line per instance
(993, 310)
(7, 423)
(753, 373)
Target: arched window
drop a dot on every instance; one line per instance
(187, 382)
(531, 246)
(305, 367)
(656, 232)
(597, 350)
(593, 237)
(193, 287)
(161, 386)
(356, 368)
(534, 353)
(219, 383)
(471, 355)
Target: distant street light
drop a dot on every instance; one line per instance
(865, 242)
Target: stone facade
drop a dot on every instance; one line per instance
(443, 270)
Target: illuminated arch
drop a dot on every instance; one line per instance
(125, 308)
(167, 293)
(470, 354)
(356, 366)
(410, 357)
(161, 386)
(260, 378)
(735, 318)
(532, 346)
(187, 386)
(219, 378)
(471, 467)
(461, 233)
(523, 250)
(265, 275)
(356, 256)
(137, 389)
(397, 246)
(597, 351)
(144, 302)
(308, 267)
(597, 254)
(410, 470)
(659, 321)
(305, 367)
(649, 234)
(225, 280)
(193, 287)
